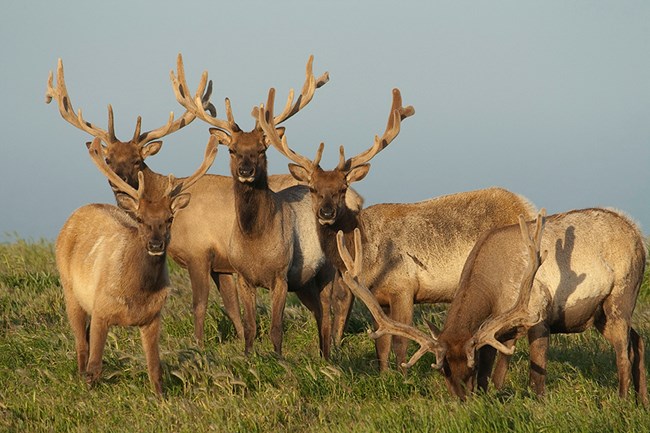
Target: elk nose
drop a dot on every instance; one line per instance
(246, 171)
(327, 213)
(155, 246)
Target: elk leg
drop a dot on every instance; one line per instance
(383, 345)
(150, 336)
(199, 278)
(310, 298)
(78, 318)
(278, 302)
(228, 290)
(342, 300)
(401, 309)
(538, 348)
(616, 329)
(247, 294)
(501, 366)
(98, 334)
(637, 348)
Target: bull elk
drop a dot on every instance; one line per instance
(414, 252)
(200, 234)
(273, 243)
(588, 273)
(113, 266)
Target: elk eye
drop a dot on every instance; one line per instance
(139, 220)
(136, 163)
(108, 161)
(230, 151)
(312, 190)
(170, 220)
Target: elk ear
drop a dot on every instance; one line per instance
(89, 143)
(150, 149)
(126, 202)
(180, 201)
(357, 173)
(299, 173)
(221, 136)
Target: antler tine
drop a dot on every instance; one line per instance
(397, 114)
(60, 93)
(197, 106)
(208, 159)
(385, 325)
(264, 114)
(306, 95)
(97, 156)
(518, 317)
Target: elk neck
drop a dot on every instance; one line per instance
(255, 205)
(347, 221)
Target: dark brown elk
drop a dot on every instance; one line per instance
(200, 234)
(414, 252)
(273, 242)
(113, 265)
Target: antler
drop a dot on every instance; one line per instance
(397, 114)
(518, 317)
(60, 93)
(385, 325)
(208, 159)
(97, 156)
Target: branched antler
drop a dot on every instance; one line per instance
(385, 325)
(519, 317)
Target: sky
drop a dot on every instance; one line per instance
(548, 99)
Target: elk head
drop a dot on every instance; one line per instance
(328, 188)
(153, 216)
(458, 356)
(248, 149)
(126, 158)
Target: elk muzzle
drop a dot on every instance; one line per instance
(327, 214)
(156, 247)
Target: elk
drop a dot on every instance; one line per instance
(200, 234)
(588, 274)
(113, 265)
(414, 252)
(273, 243)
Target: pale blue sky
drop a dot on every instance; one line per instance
(548, 99)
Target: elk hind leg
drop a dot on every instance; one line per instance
(538, 337)
(278, 302)
(228, 290)
(311, 298)
(401, 309)
(98, 334)
(248, 298)
(200, 281)
(637, 353)
(383, 345)
(616, 329)
(78, 319)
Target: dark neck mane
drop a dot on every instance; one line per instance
(254, 205)
(347, 221)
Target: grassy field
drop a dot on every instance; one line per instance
(218, 389)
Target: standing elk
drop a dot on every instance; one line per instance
(589, 274)
(273, 243)
(113, 266)
(414, 252)
(200, 234)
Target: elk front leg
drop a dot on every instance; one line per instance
(200, 280)
(228, 290)
(98, 334)
(78, 318)
(538, 347)
(278, 301)
(342, 300)
(247, 295)
(150, 336)
(383, 345)
(501, 367)
(313, 298)
(401, 309)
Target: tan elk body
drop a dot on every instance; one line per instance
(113, 266)
(413, 253)
(201, 233)
(273, 243)
(591, 277)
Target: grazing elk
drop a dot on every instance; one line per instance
(200, 234)
(273, 242)
(414, 252)
(113, 266)
(589, 274)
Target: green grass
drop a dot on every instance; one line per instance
(219, 389)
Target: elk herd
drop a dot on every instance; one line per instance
(506, 269)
